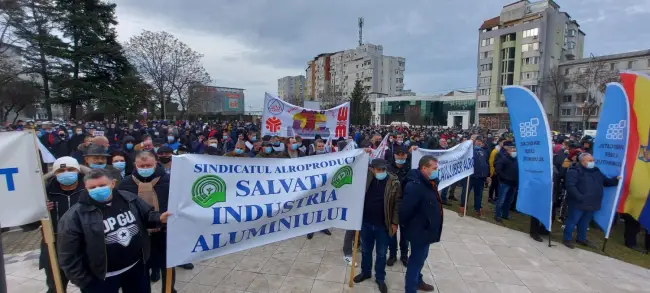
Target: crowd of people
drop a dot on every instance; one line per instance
(109, 187)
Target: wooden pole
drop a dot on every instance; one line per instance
(48, 232)
(3, 278)
(466, 197)
(354, 257)
(168, 280)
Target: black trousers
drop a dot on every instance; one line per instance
(494, 188)
(632, 228)
(536, 228)
(44, 263)
(134, 280)
(158, 258)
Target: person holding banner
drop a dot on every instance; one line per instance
(62, 193)
(380, 221)
(584, 184)
(421, 215)
(102, 242)
(478, 179)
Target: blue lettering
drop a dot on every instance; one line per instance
(249, 213)
(242, 186)
(259, 189)
(201, 242)
(8, 172)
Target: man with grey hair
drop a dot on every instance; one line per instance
(102, 244)
(584, 185)
(421, 216)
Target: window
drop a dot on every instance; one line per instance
(566, 71)
(579, 111)
(530, 47)
(400, 80)
(566, 85)
(487, 42)
(483, 104)
(531, 60)
(566, 99)
(613, 65)
(484, 92)
(572, 33)
(486, 67)
(531, 33)
(531, 75)
(532, 88)
(485, 80)
(565, 112)
(629, 64)
(581, 98)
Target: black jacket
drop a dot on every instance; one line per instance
(63, 201)
(161, 188)
(585, 187)
(506, 168)
(421, 209)
(81, 245)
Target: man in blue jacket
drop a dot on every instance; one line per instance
(584, 185)
(507, 168)
(421, 217)
(477, 180)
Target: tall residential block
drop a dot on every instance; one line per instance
(520, 47)
(292, 89)
(330, 77)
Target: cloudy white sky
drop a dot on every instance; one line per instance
(251, 43)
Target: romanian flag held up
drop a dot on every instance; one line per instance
(636, 189)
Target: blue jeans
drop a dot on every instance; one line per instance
(371, 236)
(504, 201)
(413, 277)
(476, 184)
(403, 243)
(578, 218)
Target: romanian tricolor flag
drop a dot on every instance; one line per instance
(636, 189)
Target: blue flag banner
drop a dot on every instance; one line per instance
(532, 138)
(610, 148)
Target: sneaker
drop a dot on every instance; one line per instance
(310, 236)
(568, 243)
(537, 238)
(187, 266)
(461, 212)
(382, 287)
(587, 243)
(361, 277)
(327, 232)
(348, 261)
(155, 275)
(425, 287)
(391, 260)
(480, 215)
(405, 260)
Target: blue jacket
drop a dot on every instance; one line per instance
(506, 168)
(421, 209)
(481, 164)
(585, 187)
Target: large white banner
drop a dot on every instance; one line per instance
(283, 119)
(22, 196)
(222, 205)
(454, 164)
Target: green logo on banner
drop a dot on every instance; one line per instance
(342, 177)
(208, 190)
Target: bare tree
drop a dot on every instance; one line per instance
(168, 65)
(593, 79)
(554, 83)
(15, 96)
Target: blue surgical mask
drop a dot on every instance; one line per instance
(119, 165)
(277, 143)
(79, 132)
(214, 145)
(254, 139)
(146, 172)
(513, 154)
(239, 151)
(225, 137)
(591, 165)
(129, 146)
(268, 150)
(170, 138)
(100, 194)
(294, 146)
(67, 178)
(97, 166)
(381, 176)
(401, 162)
(434, 175)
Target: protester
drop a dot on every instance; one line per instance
(102, 242)
(478, 179)
(507, 169)
(422, 217)
(96, 157)
(400, 166)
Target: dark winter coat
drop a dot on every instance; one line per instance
(507, 168)
(585, 187)
(421, 209)
(481, 164)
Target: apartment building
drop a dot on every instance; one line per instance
(519, 47)
(292, 89)
(585, 79)
(330, 77)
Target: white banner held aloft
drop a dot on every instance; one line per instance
(22, 197)
(380, 151)
(285, 120)
(454, 164)
(222, 205)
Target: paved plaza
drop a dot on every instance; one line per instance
(474, 256)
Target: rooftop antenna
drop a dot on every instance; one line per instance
(360, 31)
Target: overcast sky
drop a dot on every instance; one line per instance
(251, 43)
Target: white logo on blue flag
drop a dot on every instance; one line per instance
(529, 129)
(615, 130)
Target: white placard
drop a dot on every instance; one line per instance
(454, 164)
(98, 133)
(222, 205)
(22, 197)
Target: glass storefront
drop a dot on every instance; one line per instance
(429, 113)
